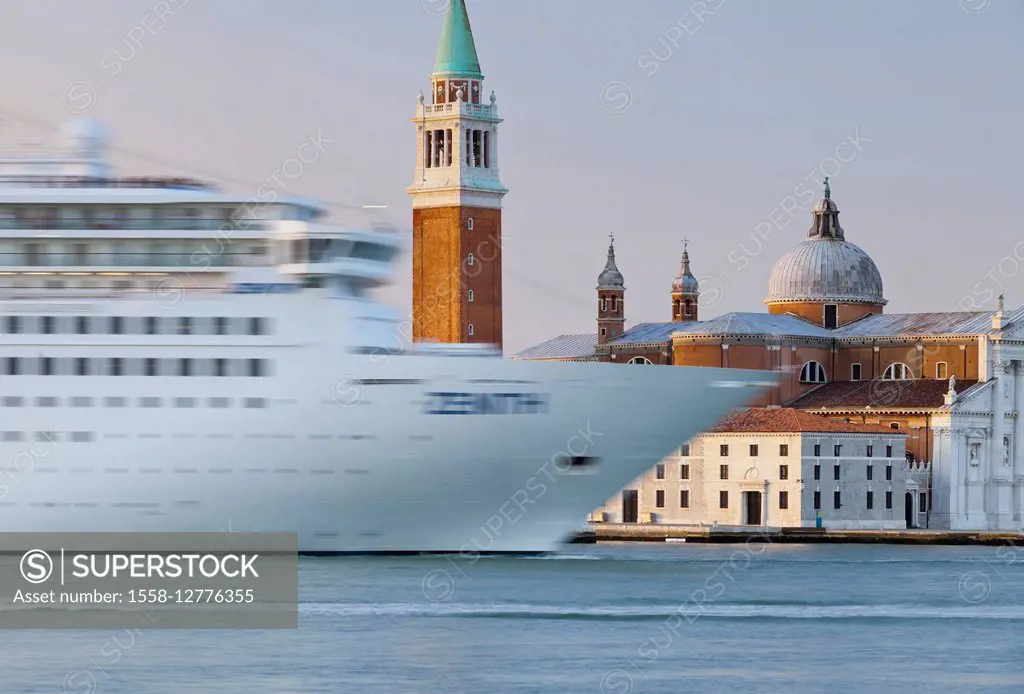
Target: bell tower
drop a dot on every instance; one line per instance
(685, 291)
(611, 295)
(456, 198)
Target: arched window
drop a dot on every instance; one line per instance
(897, 372)
(470, 296)
(604, 304)
(813, 372)
(470, 260)
(615, 303)
(639, 360)
(470, 330)
(469, 224)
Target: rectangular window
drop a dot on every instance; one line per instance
(46, 366)
(487, 150)
(255, 403)
(82, 325)
(81, 436)
(870, 451)
(836, 499)
(220, 326)
(684, 472)
(940, 371)
(817, 472)
(151, 325)
(151, 365)
(723, 472)
(888, 473)
(924, 502)
(888, 451)
(723, 450)
(149, 403)
(48, 323)
(871, 472)
(219, 403)
(257, 368)
(783, 450)
(220, 368)
(831, 316)
(837, 450)
(184, 326)
(684, 451)
(46, 401)
(783, 472)
(659, 498)
(116, 366)
(659, 471)
(80, 401)
(116, 325)
(12, 401)
(783, 500)
(817, 450)
(753, 450)
(115, 402)
(684, 498)
(723, 499)
(888, 500)
(835, 472)
(871, 500)
(184, 402)
(255, 326)
(855, 372)
(81, 366)
(13, 325)
(817, 501)
(184, 367)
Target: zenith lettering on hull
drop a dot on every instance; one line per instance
(486, 403)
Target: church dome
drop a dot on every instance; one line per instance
(826, 267)
(826, 270)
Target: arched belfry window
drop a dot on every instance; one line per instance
(639, 360)
(897, 372)
(812, 372)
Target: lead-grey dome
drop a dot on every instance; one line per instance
(826, 267)
(610, 277)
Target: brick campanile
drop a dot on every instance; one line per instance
(456, 198)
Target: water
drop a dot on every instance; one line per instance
(616, 619)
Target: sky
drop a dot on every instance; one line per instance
(650, 119)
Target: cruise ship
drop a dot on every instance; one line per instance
(176, 358)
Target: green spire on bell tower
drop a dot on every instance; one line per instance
(457, 53)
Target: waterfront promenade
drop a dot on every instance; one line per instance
(642, 532)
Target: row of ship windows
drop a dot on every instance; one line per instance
(146, 403)
(142, 325)
(90, 436)
(146, 366)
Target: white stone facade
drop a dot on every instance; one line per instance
(978, 476)
(772, 480)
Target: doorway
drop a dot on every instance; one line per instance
(630, 506)
(752, 505)
(910, 510)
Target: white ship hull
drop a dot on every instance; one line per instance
(351, 452)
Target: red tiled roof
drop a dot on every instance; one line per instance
(787, 419)
(878, 394)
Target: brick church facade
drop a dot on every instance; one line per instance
(953, 381)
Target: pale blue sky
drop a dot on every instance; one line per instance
(748, 103)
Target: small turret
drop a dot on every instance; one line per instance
(611, 292)
(685, 290)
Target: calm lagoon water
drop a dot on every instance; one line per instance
(615, 619)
